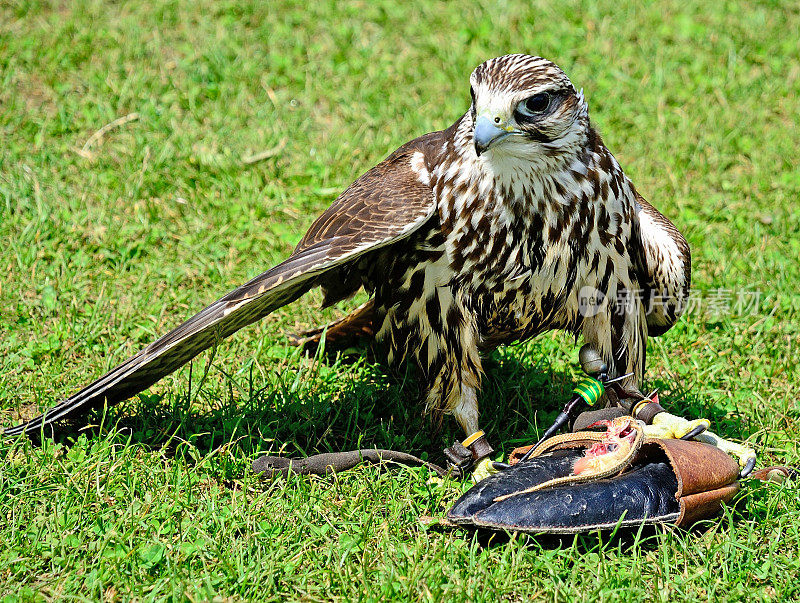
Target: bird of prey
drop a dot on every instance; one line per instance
(489, 232)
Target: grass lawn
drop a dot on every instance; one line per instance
(108, 241)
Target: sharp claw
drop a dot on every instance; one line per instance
(694, 432)
(748, 467)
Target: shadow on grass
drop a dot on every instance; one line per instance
(366, 407)
(695, 404)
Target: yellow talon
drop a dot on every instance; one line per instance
(744, 454)
(483, 469)
(668, 426)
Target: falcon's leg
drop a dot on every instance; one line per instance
(353, 330)
(619, 332)
(437, 330)
(451, 365)
(453, 375)
(439, 334)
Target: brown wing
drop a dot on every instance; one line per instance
(664, 264)
(383, 206)
(379, 206)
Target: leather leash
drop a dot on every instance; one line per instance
(334, 462)
(461, 457)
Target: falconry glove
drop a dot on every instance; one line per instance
(587, 480)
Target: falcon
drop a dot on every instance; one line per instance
(513, 221)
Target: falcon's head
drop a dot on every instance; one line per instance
(526, 107)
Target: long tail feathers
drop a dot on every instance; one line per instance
(241, 307)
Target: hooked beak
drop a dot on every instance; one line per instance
(487, 133)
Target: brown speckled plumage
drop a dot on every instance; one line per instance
(467, 241)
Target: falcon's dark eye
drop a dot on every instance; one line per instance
(535, 105)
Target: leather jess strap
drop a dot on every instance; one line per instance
(334, 462)
(776, 474)
(461, 457)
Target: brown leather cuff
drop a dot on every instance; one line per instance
(776, 474)
(460, 458)
(480, 448)
(648, 411)
(707, 476)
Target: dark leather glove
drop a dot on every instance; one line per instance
(664, 481)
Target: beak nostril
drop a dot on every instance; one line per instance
(487, 132)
